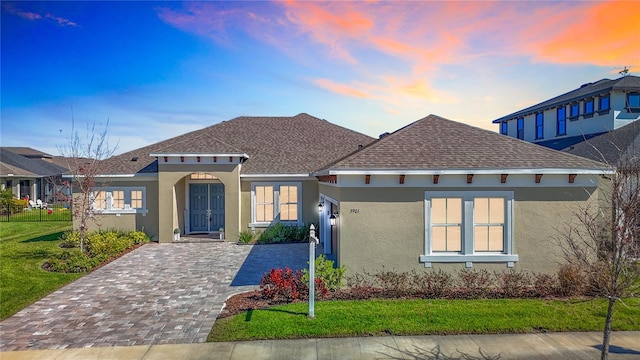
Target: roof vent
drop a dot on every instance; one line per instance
(585, 85)
(360, 146)
(385, 134)
(135, 158)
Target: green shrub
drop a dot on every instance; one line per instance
(280, 232)
(246, 237)
(101, 246)
(72, 261)
(325, 270)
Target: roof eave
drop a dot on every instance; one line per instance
(547, 171)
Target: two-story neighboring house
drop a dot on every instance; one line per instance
(590, 110)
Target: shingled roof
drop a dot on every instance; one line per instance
(435, 143)
(611, 147)
(628, 83)
(16, 164)
(274, 145)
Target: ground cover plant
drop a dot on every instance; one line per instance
(99, 247)
(24, 246)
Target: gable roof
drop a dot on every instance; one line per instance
(611, 147)
(16, 164)
(629, 83)
(273, 145)
(437, 144)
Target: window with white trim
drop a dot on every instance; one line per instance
(276, 202)
(120, 200)
(467, 227)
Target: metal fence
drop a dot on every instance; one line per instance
(58, 212)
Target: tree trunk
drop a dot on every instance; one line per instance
(606, 336)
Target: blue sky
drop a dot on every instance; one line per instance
(155, 70)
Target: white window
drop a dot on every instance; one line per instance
(467, 227)
(113, 200)
(275, 202)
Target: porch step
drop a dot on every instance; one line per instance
(191, 239)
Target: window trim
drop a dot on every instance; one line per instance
(558, 121)
(587, 113)
(127, 196)
(276, 203)
(632, 109)
(520, 128)
(504, 128)
(572, 116)
(604, 110)
(539, 118)
(468, 255)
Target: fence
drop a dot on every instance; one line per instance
(58, 212)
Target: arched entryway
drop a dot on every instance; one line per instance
(206, 204)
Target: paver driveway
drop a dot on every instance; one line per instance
(157, 294)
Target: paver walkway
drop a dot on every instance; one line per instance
(157, 294)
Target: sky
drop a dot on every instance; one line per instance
(155, 70)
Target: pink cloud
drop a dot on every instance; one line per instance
(12, 9)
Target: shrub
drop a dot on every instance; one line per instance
(246, 237)
(280, 232)
(72, 261)
(433, 284)
(512, 283)
(474, 283)
(325, 270)
(100, 246)
(282, 284)
(545, 285)
(572, 280)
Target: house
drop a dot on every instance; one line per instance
(613, 147)
(434, 194)
(241, 174)
(565, 120)
(32, 173)
(441, 194)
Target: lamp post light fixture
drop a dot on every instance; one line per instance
(332, 219)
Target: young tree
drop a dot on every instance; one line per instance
(605, 246)
(84, 154)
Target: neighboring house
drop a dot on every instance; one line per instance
(591, 110)
(614, 147)
(435, 193)
(29, 172)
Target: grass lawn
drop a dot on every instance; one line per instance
(24, 246)
(421, 317)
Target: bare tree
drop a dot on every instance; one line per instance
(605, 245)
(84, 154)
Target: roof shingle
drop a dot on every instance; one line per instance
(435, 143)
(275, 145)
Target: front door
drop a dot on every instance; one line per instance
(206, 206)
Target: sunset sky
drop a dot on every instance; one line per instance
(155, 70)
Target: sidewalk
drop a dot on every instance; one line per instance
(624, 345)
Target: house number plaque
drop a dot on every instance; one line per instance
(354, 211)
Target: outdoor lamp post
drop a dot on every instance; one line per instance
(313, 241)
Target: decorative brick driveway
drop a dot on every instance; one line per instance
(157, 294)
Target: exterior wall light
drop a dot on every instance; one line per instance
(332, 219)
(320, 207)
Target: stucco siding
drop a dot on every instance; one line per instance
(172, 195)
(385, 228)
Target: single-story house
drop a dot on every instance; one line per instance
(433, 194)
(28, 172)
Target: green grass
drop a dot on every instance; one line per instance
(24, 246)
(421, 317)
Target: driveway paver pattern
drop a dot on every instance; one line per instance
(156, 294)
